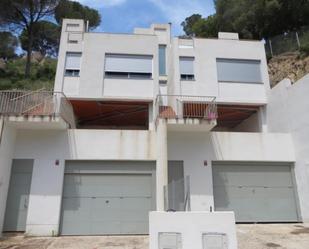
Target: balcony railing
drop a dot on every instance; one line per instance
(182, 107)
(36, 103)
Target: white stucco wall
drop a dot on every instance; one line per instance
(191, 226)
(45, 147)
(205, 53)
(287, 111)
(92, 84)
(7, 141)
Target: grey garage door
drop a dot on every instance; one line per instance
(18, 195)
(256, 192)
(107, 198)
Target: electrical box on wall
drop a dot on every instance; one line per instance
(170, 241)
(214, 241)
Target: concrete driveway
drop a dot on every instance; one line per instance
(259, 236)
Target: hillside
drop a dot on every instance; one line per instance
(42, 74)
(289, 65)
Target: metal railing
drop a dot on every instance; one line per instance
(36, 103)
(177, 195)
(185, 106)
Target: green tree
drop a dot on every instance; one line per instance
(252, 19)
(8, 45)
(74, 10)
(195, 25)
(46, 36)
(24, 14)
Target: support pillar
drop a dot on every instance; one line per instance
(161, 169)
(262, 119)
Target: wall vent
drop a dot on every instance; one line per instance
(215, 241)
(170, 241)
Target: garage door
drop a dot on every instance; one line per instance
(107, 198)
(256, 192)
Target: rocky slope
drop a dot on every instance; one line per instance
(289, 65)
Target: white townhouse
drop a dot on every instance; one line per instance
(147, 122)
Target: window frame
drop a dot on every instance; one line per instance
(72, 71)
(165, 60)
(187, 76)
(110, 74)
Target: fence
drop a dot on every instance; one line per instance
(36, 103)
(177, 195)
(288, 42)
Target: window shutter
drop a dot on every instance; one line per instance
(73, 61)
(234, 70)
(186, 65)
(128, 63)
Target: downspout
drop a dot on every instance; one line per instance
(1, 127)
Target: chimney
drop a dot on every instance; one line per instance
(228, 36)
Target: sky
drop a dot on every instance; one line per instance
(122, 16)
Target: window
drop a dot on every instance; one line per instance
(162, 60)
(72, 64)
(128, 66)
(186, 68)
(235, 70)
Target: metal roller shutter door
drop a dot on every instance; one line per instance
(97, 203)
(256, 192)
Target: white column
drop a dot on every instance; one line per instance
(262, 119)
(161, 170)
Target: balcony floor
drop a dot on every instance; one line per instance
(37, 122)
(190, 124)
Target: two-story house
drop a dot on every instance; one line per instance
(140, 122)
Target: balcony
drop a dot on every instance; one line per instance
(37, 109)
(187, 113)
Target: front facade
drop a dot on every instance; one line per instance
(141, 122)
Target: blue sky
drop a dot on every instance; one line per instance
(124, 15)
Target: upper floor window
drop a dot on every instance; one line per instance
(236, 70)
(128, 66)
(162, 60)
(186, 68)
(72, 64)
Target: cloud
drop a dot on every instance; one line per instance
(101, 3)
(177, 10)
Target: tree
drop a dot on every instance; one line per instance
(74, 10)
(8, 45)
(24, 14)
(252, 19)
(46, 36)
(195, 25)
(189, 22)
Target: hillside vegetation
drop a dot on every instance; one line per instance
(42, 74)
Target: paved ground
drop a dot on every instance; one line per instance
(267, 236)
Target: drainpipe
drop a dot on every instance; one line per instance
(161, 169)
(1, 127)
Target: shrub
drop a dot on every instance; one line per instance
(304, 48)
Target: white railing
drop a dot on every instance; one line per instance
(36, 103)
(185, 106)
